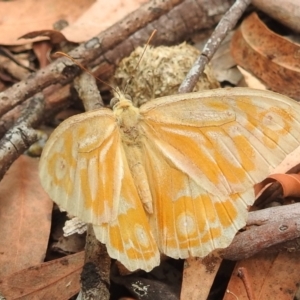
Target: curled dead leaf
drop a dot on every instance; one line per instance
(272, 58)
(290, 183)
(54, 36)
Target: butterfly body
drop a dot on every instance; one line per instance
(174, 176)
(128, 118)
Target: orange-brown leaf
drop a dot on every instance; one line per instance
(272, 276)
(290, 184)
(25, 217)
(57, 279)
(273, 59)
(198, 277)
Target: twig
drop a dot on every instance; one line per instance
(250, 242)
(88, 92)
(21, 136)
(274, 214)
(226, 24)
(95, 275)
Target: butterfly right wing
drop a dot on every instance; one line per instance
(81, 166)
(203, 152)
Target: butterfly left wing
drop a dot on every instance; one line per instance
(81, 166)
(84, 170)
(203, 153)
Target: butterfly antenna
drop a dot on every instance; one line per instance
(141, 56)
(58, 54)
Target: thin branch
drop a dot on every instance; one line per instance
(226, 24)
(95, 276)
(259, 238)
(21, 135)
(88, 91)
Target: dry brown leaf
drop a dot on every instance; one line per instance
(42, 52)
(54, 36)
(57, 279)
(198, 277)
(270, 57)
(98, 17)
(85, 18)
(25, 217)
(272, 276)
(23, 16)
(290, 161)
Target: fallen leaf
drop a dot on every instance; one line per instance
(42, 52)
(270, 57)
(223, 64)
(99, 17)
(198, 277)
(54, 36)
(271, 276)
(25, 217)
(251, 81)
(23, 16)
(57, 279)
(85, 18)
(290, 184)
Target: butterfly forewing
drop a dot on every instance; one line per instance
(226, 140)
(81, 164)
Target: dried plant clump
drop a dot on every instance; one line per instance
(160, 72)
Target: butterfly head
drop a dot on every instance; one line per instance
(120, 100)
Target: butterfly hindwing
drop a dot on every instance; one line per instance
(129, 238)
(187, 220)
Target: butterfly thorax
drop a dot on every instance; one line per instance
(127, 118)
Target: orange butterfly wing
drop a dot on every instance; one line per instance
(84, 169)
(203, 154)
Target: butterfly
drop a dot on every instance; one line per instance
(174, 176)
